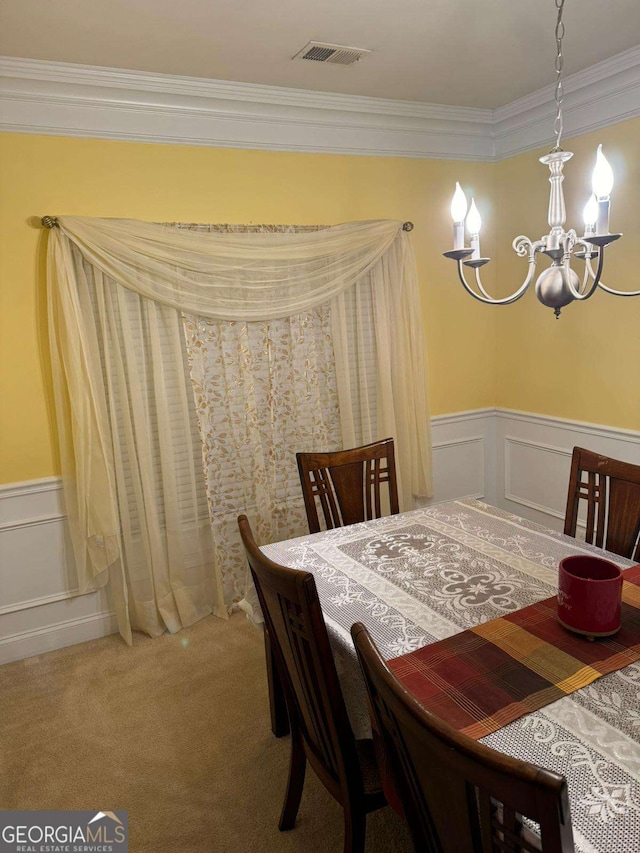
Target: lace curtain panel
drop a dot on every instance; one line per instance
(125, 296)
(263, 391)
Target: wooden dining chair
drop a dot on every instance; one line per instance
(612, 491)
(459, 796)
(347, 484)
(320, 730)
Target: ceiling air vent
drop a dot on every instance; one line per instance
(338, 54)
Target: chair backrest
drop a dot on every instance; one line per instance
(458, 795)
(298, 634)
(612, 491)
(347, 484)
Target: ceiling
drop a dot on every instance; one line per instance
(480, 53)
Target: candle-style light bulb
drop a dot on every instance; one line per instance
(458, 213)
(602, 180)
(590, 213)
(474, 220)
(602, 183)
(473, 225)
(458, 204)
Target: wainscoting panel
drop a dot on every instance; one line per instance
(458, 468)
(536, 475)
(463, 456)
(515, 460)
(40, 605)
(534, 459)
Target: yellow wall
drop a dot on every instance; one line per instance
(54, 175)
(586, 364)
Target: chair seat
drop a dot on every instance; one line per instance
(368, 766)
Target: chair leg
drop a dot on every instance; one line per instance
(355, 824)
(277, 702)
(295, 784)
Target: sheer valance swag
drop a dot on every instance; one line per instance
(117, 290)
(258, 276)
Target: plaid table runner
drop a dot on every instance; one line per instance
(490, 675)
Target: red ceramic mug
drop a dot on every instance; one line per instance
(589, 595)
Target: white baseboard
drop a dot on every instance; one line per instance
(56, 636)
(516, 460)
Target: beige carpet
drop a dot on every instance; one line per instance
(176, 731)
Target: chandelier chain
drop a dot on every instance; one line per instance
(557, 125)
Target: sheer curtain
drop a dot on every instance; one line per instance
(153, 542)
(382, 367)
(117, 289)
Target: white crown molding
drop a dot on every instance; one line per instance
(601, 95)
(167, 84)
(75, 100)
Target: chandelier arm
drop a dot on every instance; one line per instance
(596, 280)
(610, 290)
(589, 267)
(580, 295)
(523, 246)
(588, 273)
(618, 292)
(489, 300)
(479, 284)
(592, 274)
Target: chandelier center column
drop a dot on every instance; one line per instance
(557, 210)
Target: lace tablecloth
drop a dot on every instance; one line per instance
(425, 575)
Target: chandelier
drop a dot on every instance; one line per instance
(558, 285)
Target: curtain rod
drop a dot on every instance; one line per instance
(52, 222)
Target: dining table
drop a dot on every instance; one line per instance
(421, 576)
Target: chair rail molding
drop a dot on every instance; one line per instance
(515, 460)
(64, 99)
